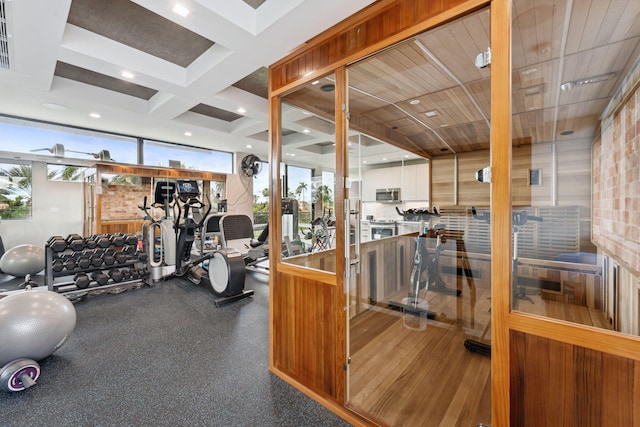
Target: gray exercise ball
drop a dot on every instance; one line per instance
(22, 260)
(34, 323)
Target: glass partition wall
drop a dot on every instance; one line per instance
(309, 226)
(418, 280)
(575, 169)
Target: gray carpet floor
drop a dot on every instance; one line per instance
(164, 356)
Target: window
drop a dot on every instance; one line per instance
(15, 191)
(183, 157)
(71, 173)
(65, 142)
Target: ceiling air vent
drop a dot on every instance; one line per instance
(4, 39)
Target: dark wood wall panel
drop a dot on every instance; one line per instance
(306, 339)
(559, 384)
(386, 19)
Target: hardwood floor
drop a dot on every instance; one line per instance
(402, 376)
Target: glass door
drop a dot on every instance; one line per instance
(418, 282)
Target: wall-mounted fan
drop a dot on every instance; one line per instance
(251, 165)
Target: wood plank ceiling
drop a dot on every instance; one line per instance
(427, 96)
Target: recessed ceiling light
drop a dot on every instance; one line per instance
(187, 133)
(315, 82)
(566, 132)
(406, 156)
(293, 155)
(127, 74)
(306, 130)
(431, 113)
(566, 87)
(364, 161)
(529, 71)
(384, 158)
(444, 125)
(249, 146)
(534, 108)
(241, 110)
(444, 149)
(328, 87)
(414, 102)
(95, 115)
(53, 106)
(181, 10)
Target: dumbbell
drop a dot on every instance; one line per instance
(90, 243)
(131, 240)
(116, 275)
(81, 281)
(100, 278)
(101, 240)
(75, 242)
(83, 261)
(96, 257)
(70, 263)
(142, 256)
(121, 257)
(57, 243)
(109, 257)
(117, 240)
(57, 265)
(126, 273)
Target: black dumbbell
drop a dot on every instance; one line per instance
(142, 256)
(116, 275)
(57, 265)
(126, 273)
(75, 242)
(70, 263)
(131, 240)
(81, 281)
(121, 257)
(102, 240)
(100, 278)
(83, 261)
(109, 257)
(90, 243)
(57, 243)
(117, 240)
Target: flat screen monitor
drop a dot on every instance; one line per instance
(188, 189)
(164, 192)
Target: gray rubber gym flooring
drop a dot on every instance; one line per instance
(164, 356)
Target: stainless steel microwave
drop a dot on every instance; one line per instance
(388, 195)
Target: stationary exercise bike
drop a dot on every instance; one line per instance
(422, 261)
(222, 270)
(518, 219)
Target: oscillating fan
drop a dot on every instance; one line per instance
(251, 165)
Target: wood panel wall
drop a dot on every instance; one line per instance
(305, 340)
(354, 38)
(559, 384)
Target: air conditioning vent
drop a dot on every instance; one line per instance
(4, 38)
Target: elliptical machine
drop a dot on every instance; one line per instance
(222, 270)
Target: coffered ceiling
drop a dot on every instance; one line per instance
(205, 73)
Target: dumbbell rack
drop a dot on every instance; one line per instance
(112, 259)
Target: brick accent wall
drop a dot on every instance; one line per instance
(120, 202)
(616, 184)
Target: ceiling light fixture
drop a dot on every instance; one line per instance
(431, 113)
(567, 86)
(241, 110)
(181, 10)
(95, 115)
(249, 146)
(328, 87)
(127, 74)
(187, 133)
(315, 82)
(306, 131)
(53, 106)
(566, 132)
(414, 102)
